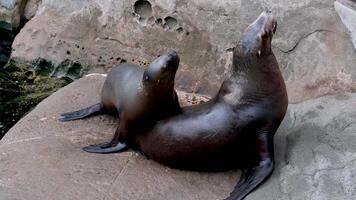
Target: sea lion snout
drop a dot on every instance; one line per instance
(172, 54)
(163, 67)
(265, 23)
(172, 60)
(256, 39)
(270, 22)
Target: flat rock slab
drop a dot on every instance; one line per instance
(41, 158)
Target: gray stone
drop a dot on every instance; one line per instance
(312, 44)
(11, 11)
(347, 13)
(8, 4)
(315, 152)
(31, 8)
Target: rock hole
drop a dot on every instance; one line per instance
(143, 8)
(159, 21)
(118, 58)
(123, 61)
(170, 22)
(187, 33)
(179, 30)
(68, 52)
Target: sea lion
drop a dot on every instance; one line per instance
(236, 127)
(140, 97)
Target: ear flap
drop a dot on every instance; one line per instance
(266, 42)
(275, 27)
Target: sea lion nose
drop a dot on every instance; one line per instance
(172, 54)
(173, 59)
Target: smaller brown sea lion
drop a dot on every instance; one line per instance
(140, 97)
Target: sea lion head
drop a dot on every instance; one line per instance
(162, 70)
(256, 39)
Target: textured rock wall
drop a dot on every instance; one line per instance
(312, 44)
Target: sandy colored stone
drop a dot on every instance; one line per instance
(42, 158)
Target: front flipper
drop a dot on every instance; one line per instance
(116, 144)
(252, 177)
(106, 148)
(80, 114)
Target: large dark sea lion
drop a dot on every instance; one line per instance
(236, 127)
(140, 97)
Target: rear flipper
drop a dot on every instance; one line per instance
(80, 114)
(252, 177)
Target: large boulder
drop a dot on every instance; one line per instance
(312, 45)
(42, 158)
(315, 152)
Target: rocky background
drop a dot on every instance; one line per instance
(46, 44)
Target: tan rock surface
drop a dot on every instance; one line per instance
(41, 158)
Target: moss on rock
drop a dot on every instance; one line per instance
(24, 85)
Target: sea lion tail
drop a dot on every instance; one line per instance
(254, 176)
(86, 112)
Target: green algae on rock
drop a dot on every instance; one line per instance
(24, 85)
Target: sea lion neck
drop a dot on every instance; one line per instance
(158, 88)
(252, 67)
(251, 80)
